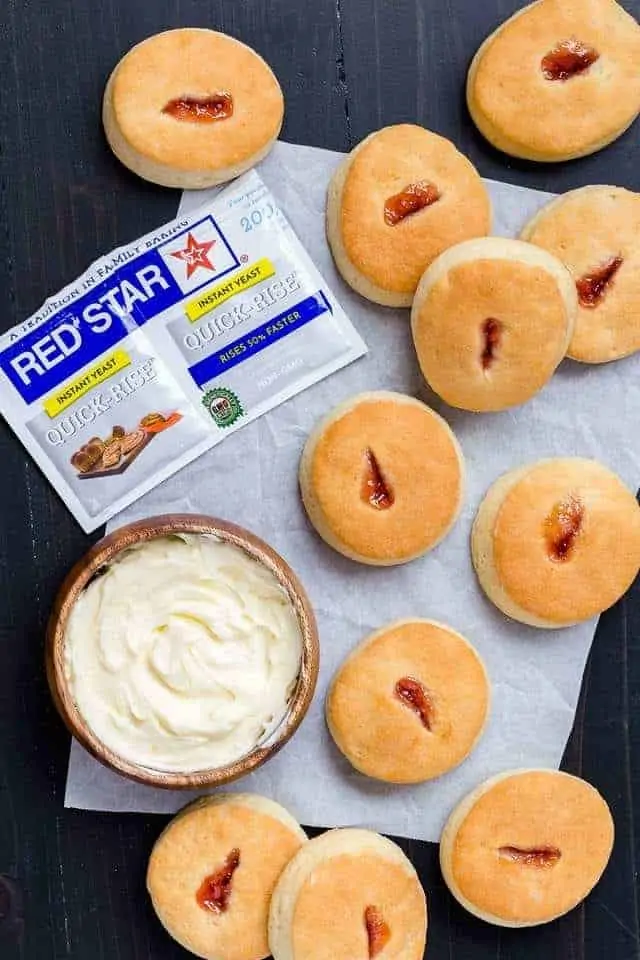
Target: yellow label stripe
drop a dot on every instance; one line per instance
(242, 280)
(71, 391)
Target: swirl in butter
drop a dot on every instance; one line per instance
(183, 654)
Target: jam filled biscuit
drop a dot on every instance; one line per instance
(491, 321)
(348, 894)
(526, 847)
(381, 478)
(400, 198)
(558, 80)
(410, 703)
(556, 542)
(190, 108)
(213, 870)
(595, 231)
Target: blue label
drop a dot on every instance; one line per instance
(132, 295)
(259, 339)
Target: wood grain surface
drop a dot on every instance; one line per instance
(72, 883)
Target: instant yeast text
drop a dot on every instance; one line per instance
(165, 346)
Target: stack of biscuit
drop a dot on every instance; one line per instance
(554, 542)
(382, 476)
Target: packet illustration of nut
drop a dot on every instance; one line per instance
(164, 347)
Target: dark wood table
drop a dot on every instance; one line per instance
(74, 882)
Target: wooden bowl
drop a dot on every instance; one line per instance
(106, 551)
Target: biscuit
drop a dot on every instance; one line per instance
(399, 199)
(556, 542)
(409, 703)
(112, 453)
(526, 847)
(94, 449)
(131, 441)
(595, 232)
(382, 478)
(88, 455)
(348, 893)
(558, 80)
(491, 321)
(82, 461)
(190, 108)
(150, 419)
(213, 869)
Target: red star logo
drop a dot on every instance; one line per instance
(195, 255)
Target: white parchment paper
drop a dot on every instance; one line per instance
(252, 479)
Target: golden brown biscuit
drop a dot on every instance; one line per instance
(399, 199)
(348, 894)
(190, 108)
(94, 449)
(88, 455)
(131, 441)
(82, 461)
(595, 231)
(526, 847)
(556, 542)
(112, 453)
(381, 478)
(151, 419)
(491, 321)
(213, 869)
(558, 80)
(409, 703)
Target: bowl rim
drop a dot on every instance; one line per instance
(104, 552)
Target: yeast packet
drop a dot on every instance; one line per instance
(165, 346)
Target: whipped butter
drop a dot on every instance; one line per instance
(183, 654)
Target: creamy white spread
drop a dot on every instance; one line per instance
(183, 653)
